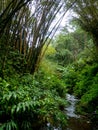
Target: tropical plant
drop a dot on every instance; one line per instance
(25, 28)
(86, 14)
(31, 102)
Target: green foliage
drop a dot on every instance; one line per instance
(12, 63)
(63, 47)
(82, 80)
(69, 46)
(50, 52)
(10, 125)
(87, 89)
(51, 78)
(87, 17)
(69, 76)
(85, 79)
(31, 102)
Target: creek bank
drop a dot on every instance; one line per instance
(75, 121)
(79, 122)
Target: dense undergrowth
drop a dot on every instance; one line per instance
(31, 101)
(82, 80)
(80, 75)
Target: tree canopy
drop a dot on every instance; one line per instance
(87, 12)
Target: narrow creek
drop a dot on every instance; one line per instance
(75, 122)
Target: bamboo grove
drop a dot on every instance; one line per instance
(24, 29)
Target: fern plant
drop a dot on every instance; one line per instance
(28, 106)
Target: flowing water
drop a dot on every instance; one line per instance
(70, 109)
(75, 122)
